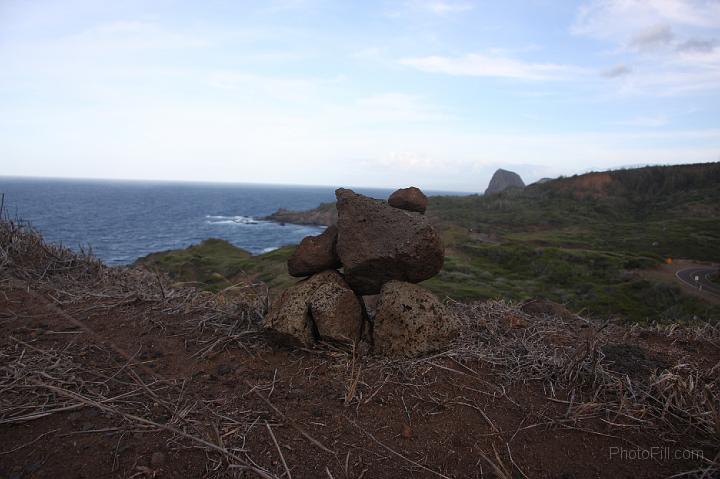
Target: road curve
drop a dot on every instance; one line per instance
(697, 277)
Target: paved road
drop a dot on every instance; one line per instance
(697, 277)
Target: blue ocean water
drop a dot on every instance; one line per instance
(124, 220)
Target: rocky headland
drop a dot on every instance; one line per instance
(323, 215)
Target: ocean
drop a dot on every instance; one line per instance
(122, 221)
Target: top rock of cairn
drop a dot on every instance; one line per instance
(410, 199)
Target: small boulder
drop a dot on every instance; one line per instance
(336, 311)
(411, 321)
(315, 254)
(288, 320)
(291, 319)
(378, 243)
(410, 199)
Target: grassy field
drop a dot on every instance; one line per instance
(596, 282)
(567, 240)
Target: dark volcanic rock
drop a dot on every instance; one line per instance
(502, 180)
(315, 254)
(410, 321)
(292, 318)
(410, 199)
(378, 243)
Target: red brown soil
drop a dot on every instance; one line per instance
(444, 417)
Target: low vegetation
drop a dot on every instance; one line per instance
(215, 265)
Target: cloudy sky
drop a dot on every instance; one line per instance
(436, 93)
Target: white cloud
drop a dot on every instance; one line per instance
(492, 65)
(621, 19)
(670, 43)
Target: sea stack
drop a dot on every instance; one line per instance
(502, 180)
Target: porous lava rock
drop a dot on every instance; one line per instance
(411, 321)
(325, 296)
(337, 313)
(315, 254)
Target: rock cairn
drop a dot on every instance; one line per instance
(383, 248)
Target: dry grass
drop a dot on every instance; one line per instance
(565, 355)
(79, 279)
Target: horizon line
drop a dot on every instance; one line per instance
(221, 182)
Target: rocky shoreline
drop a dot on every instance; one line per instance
(323, 215)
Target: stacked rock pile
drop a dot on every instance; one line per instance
(383, 248)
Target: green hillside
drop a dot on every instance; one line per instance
(580, 240)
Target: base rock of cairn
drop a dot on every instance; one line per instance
(410, 321)
(383, 248)
(319, 307)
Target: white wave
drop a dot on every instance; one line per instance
(226, 220)
(271, 248)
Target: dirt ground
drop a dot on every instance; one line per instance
(107, 388)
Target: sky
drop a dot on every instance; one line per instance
(432, 93)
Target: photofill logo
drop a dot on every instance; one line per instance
(659, 453)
